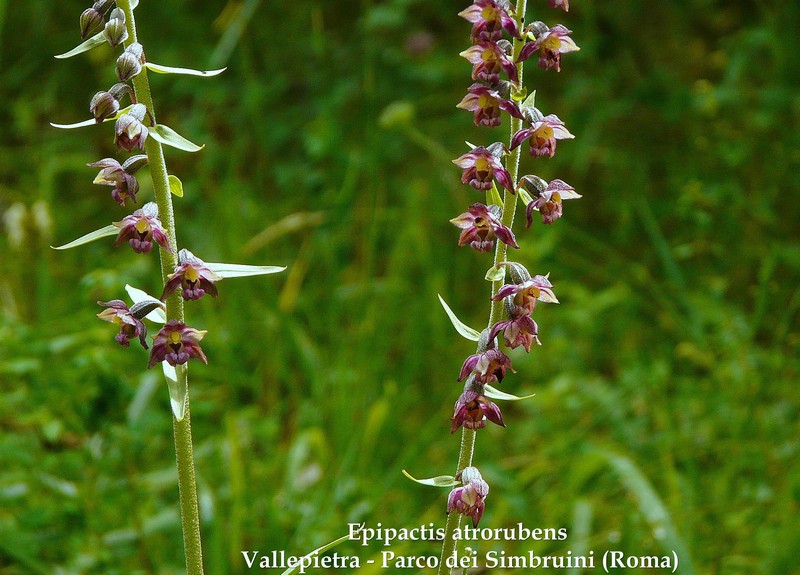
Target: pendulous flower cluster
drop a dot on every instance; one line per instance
(499, 47)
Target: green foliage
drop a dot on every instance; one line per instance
(675, 347)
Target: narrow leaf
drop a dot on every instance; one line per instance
(137, 296)
(91, 121)
(493, 393)
(92, 42)
(241, 270)
(109, 230)
(495, 274)
(169, 137)
(440, 481)
(176, 382)
(306, 559)
(159, 69)
(460, 326)
(493, 196)
(175, 186)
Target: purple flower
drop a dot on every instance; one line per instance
(469, 498)
(472, 410)
(542, 133)
(525, 295)
(130, 132)
(486, 104)
(489, 366)
(194, 277)
(549, 201)
(489, 19)
(559, 4)
(520, 330)
(482, 165)
(176, 343)
(488, 59)
(112, 173)
(141, 228)
(550, 44)
(118, 313)
(480, 224)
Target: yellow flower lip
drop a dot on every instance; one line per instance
(175, 337)
(142, 226)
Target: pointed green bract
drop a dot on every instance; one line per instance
(493, 196)
(175, 186)
(241, 270)
(440, 481)
(530, 102)
(92, 42)
(524, 196)
(460, 326)
(91, 121)
(137, 296)
(159, 69)
(177, 391)
(493, 393)
(169, 137)
(109, 230)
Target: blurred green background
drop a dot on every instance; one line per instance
(666, 407)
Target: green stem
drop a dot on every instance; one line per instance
(467, 449)
(187, 483)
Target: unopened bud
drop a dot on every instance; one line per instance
(129, 64)
(91, 23)
(115, 31)
(103, 105)
(534, 185)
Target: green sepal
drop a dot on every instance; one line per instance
(109, 230)
(493, 196)
(495, 274)
(176, 383)
(440, 481)
(159, 69)
(315, 552)
(91, 121)
(493, 393)
(169, 137)
(241, 270)
(460, 326)
(85, 46)
(175, 186)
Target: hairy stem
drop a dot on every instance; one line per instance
(187, 483)
(467, 449)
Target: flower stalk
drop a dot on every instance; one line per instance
(511, 303)
(182, 429)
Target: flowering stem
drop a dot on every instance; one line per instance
(509, 209)
(187, 483)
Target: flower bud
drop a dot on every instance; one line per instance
(115, 31)
(129, 64)
(91, 23)
(103, 105)
(129, 130)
